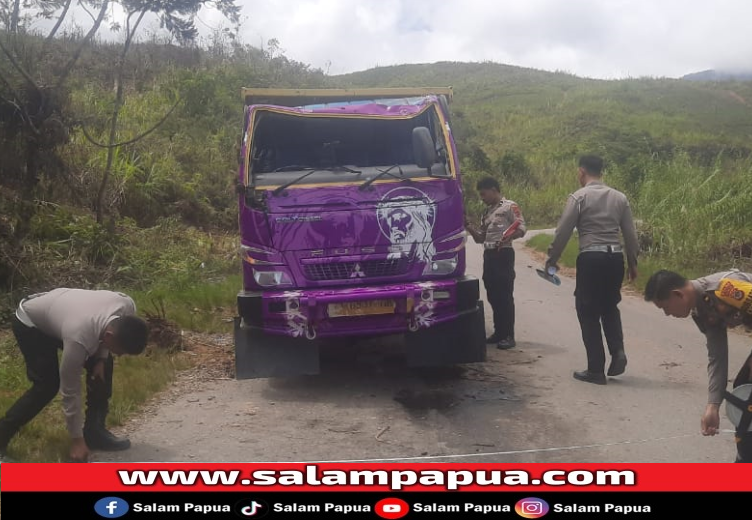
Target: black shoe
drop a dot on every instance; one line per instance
(506, 344)
(590, 377)
(618, 365)
(493, 338)
(103, 440)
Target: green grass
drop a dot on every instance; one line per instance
(206, 307)
(542, 241)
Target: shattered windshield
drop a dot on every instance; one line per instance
(287, 147)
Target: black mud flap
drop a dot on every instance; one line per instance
(460, 341)
(260, 355)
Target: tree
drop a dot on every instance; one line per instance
(34, 121)
(177, 17)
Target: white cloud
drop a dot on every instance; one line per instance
(593, 38)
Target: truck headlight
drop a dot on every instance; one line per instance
(271, 278)
(441, 267)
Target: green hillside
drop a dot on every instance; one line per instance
(680, 149)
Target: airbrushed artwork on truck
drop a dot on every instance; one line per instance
(297, 323)
(423, 313)
(406, 216)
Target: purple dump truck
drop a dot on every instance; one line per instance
(351, 222)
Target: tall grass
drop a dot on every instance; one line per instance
(207, 307)
(698, 217)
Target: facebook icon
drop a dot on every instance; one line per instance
(111, 507)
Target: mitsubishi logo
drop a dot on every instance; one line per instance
(357, 272)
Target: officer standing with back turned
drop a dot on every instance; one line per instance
(598, 212)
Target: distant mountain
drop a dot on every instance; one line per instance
(719, 75)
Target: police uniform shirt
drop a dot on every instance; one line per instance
(598, 212)
(714, 324)
(497, 219)
(77, 317)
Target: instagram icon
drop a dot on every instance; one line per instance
(531, 507)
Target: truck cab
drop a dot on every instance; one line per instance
(351, 222)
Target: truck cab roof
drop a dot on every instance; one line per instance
(304, 97)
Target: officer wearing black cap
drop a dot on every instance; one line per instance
(599, 213)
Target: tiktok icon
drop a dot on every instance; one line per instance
(251, 508)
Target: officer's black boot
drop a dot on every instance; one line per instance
(98, 393)
(98, 437)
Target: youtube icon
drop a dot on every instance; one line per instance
(391, 508)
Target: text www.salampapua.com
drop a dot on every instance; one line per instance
(395, 479)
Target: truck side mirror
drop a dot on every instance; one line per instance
(424, 150)
(250, 195)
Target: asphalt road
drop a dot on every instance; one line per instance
(522, 405)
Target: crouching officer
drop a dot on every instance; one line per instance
(716, 303)
(89, 327)
(502, 222)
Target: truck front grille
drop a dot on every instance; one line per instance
(354, 270)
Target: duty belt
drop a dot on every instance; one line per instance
(602, 249)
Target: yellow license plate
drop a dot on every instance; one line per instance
(361, 308)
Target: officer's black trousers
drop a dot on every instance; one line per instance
(40, 353)
(498, 279)
(597, 295)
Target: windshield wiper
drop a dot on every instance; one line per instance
(381, 173)
(309, 171)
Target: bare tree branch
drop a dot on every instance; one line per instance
(15, 17)
(130, 32)
(86, 10)
(24, 113)
(74, 58)
(10, 101)
(93, 141)
(59, 22)
(18, 66)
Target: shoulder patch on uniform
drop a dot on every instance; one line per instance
(736, 293)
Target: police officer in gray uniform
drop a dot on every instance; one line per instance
(598, 212)
(89, 327)
(502, 223)
(706, 300)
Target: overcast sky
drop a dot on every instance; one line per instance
(607, 39)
